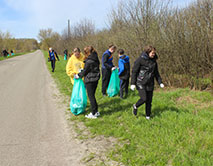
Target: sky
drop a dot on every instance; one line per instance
(24, 18)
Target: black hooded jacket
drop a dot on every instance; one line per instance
(91, 71)
(144, 71)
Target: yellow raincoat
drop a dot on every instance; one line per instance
(74, 65)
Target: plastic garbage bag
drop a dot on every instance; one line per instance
(114, 84)
(78, 100)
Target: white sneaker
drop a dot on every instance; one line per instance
(91, 116)
(97, 114)
(147, 117)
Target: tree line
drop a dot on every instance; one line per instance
(7, 42)
(183, 38)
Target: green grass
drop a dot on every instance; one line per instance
(179, 133)
(16, 54)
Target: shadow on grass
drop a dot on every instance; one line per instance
(114, 105)
(156, 112)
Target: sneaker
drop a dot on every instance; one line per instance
(147, 117)
(91, 116)
(135, 110)
(97, 114)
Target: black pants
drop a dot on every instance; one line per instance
(124, 84)
(106, 74)
(145, 97)
(91, 88)
(53, 65)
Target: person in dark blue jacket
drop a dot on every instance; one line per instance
(107, 67)
(52, 58)
(124, 72)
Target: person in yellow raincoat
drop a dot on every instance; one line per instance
(75, 64)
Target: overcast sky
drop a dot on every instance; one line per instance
(24, 18)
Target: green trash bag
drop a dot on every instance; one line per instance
(114, 84)
(78, 100)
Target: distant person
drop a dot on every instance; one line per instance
(124, 72)
(107, 67)
(144, 71)
(65, 54)
(56, 55)
(11, 52)
(52, 58)
(5, 53)
(91, 74)
(75, 64)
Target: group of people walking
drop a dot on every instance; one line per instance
(87, 66)
(5, 53)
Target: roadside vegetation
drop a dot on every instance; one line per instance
(19, 46)
(18, 54)
(179, 133)
(183, 38)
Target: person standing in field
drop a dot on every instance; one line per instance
(52, 58)
(65, 54)
(124, 72)
(91, 74)
(144, 71)
(11, 52)
(5, 53)
(75, 64)
(107, 67)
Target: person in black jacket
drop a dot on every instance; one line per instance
(91, 74)
(107, 67)
(124, 72)
(5, 53)
(144, 71)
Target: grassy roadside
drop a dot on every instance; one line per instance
(179, 133)
(18, 54)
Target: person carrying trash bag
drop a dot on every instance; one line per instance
(124, 72)
(52, 58)
(12, 53)
(144, 71)
(107, 67)
(91, 74)
(78, 102)
(75, 64)
(65, 54)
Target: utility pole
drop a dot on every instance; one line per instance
(68, 28)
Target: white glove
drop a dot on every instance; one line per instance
(76, 76)
(113, 68)
(80, 70)
(132, 87)
(162, 85)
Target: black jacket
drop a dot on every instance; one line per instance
(5, 53)
(91, 71)
(144, 71)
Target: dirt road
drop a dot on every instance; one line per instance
(33, 128)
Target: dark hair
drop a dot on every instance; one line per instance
(112, 46)
(149, 49)
(76, 49)
(121, 51)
